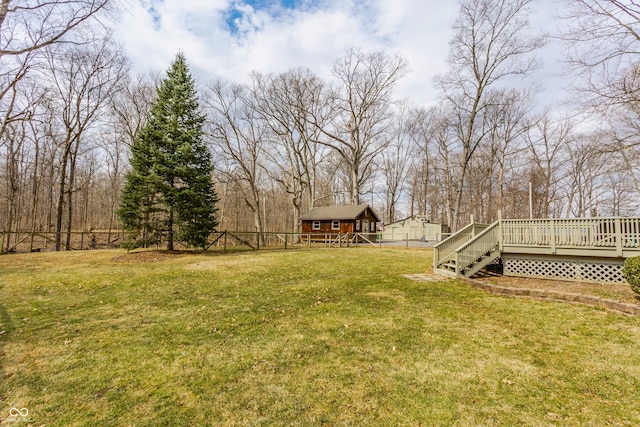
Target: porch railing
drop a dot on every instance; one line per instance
(595, 233)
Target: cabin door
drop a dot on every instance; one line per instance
(365, 225)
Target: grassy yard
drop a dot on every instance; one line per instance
(308, 337)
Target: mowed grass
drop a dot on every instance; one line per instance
(298, 337)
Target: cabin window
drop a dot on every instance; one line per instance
(316, 225)
(335, 225)
(357, 225)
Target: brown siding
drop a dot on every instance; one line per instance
(346, 225)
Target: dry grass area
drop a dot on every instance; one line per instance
(616, 292)
(318, 337)
(143, 257)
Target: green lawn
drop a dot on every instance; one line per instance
(308, 337)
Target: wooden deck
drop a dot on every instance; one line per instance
(590, 249)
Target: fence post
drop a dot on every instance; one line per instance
(285, 241)
(225, 242)
(1, 242)
(406, 240)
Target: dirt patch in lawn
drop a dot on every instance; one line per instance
(612, 291)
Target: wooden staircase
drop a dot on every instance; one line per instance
(468, 251)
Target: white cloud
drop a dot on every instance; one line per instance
(313, 36)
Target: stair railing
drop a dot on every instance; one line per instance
(446, 250)
(478, 247)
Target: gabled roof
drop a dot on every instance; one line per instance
(421, 219)
(336, 212)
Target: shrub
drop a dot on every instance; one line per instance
(631, 272)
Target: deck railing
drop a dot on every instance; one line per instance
(595, 233)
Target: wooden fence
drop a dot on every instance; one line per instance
(43, 241)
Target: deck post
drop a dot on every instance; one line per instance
(473, 229)
(552, 237)
(436, 256)
(500, 242)
(618, 232)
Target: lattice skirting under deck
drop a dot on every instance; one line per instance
(578, 269)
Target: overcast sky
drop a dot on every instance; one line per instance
(231, 38)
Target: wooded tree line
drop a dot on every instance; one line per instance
(284, 143)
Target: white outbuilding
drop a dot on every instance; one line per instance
(417, 227)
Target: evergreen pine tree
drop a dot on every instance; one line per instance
(168, 193)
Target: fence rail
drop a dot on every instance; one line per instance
(43, 241)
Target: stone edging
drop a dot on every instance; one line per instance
(543, 294)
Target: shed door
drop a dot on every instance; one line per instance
(431, 232)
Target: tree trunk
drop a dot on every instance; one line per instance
(355, 190)
(70, 191)
(170, 231)
(61, 194)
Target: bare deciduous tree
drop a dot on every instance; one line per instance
(397, 156)
(604, 45)
(489, 46)
(585, 172)
(28, 26)
(287, 102)
(83, 80)
(359, 131)
(507, 119)
(239, 137)
(548, 142)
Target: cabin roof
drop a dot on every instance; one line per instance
(336, 212)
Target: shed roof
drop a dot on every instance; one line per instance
(335, 212)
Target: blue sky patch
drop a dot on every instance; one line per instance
(155, 15)
(235, 14)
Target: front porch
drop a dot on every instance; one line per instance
(585, 249)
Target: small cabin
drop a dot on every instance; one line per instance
(340, 219)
